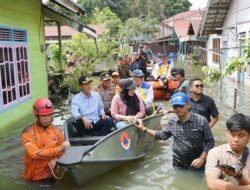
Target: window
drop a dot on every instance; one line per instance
(248, 70)
(242, 35)
(216, 48)
(14, 67)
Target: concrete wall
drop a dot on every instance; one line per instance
(237, 22)
(26, 14)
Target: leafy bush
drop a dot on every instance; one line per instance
(212, 73)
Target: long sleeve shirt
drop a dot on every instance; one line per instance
(118, 108)
(40, 146)
(90, 107)
(190, 139)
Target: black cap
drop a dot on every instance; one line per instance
(121, 58)
(175, 71)
(105, 76)
(127, 84)
(84, 80)
(238, 122)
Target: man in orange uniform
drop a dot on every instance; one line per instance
(43, 143)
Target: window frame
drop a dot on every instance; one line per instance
(19, 41)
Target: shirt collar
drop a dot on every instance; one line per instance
(84, 96)
(190, 119)
(40, 129)
(201, 98)
(229, 150)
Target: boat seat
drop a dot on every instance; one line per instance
(87, 140)
(73, 155)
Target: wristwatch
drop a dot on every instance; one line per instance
(145, 130)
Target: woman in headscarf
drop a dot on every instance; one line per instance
(127, 107)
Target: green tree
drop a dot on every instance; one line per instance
(134, 28)
(125, 9)
(107, 18)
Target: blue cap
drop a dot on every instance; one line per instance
(179, 99)
(164, 56)
(138, 73)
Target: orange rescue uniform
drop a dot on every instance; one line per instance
(41, 145)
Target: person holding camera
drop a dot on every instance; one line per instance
(228, 165)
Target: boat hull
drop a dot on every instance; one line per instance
(121, 146)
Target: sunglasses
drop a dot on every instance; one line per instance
(199, 86)
(178, 106)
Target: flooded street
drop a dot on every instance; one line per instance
(155, 171)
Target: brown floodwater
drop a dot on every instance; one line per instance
(154, 172)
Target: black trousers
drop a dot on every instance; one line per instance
(100, 128)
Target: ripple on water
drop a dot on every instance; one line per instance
(155, 171)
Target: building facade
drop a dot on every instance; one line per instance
(22, 59)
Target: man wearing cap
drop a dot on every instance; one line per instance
(228, 165)
(143, 89)
(106, 91)
(123, 69)
(115, 82)
(87, 107)
(178, 74)
(192, 136)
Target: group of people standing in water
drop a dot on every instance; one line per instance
(116, 101)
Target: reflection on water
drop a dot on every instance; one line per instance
(155, 171)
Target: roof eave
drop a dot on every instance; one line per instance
(55, 16)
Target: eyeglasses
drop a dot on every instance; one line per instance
(199, 86)
(178, 106)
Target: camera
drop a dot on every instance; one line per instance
(236, 168)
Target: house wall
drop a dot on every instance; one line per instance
(26, 14)
(237, 21)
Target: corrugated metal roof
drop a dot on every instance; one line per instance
(51, 31)
(214, 17)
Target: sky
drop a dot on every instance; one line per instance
(196, 4)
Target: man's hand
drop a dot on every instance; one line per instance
(105, 116)
(197, 163)
(87, 123)
(64, 145)
(139, 124)
(52, 163)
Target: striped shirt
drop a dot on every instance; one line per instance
(190, 139)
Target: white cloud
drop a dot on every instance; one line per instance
(198, 4)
